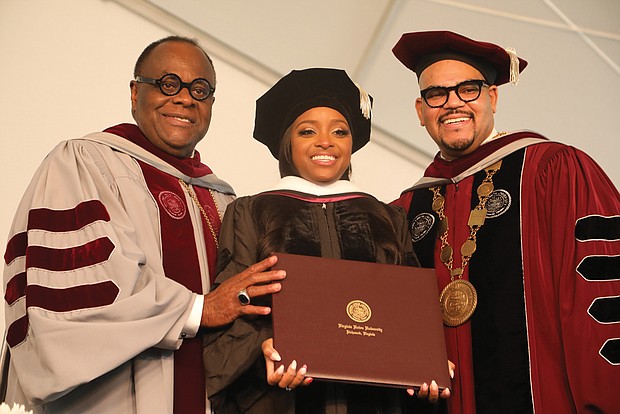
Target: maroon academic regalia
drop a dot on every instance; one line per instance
(545, 336)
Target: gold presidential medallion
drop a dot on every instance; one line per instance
(458, 301)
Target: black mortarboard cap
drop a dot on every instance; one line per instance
(304, 89)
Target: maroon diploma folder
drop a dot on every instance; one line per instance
(360, 322)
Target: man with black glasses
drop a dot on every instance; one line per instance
(113, 250)
(524, 235)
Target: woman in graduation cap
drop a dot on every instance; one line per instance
(311, 120)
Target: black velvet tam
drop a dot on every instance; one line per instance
(301, 90)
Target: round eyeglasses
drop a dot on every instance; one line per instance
(437, 96)
(171, 84)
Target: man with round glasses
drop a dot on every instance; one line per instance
(113, 250)
(523, 233)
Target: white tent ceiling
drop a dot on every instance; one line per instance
(567, 93)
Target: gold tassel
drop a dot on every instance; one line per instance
(365, 104)
(514, 66)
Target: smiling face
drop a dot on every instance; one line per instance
(321, 144)
(174, 124)
(458, 128)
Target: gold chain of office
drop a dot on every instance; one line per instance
(193, 196)
(459, 298)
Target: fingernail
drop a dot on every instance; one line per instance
(275, 356)
(280, 369)
(452, 373)
(293, 365)
(433, 384)
(424, 386)
(411, 392)
(310, 380)
(303, 370)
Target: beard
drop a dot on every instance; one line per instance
(458, 144)
(458, 140)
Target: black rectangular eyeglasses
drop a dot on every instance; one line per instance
(467, 91)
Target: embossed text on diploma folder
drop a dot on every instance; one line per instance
(360, 322)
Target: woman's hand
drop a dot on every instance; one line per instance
(432, 392)
(289, 379)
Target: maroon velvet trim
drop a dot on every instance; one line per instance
(189, 382)
(316, 199)
(62, 300)
(180, 260)
(16, 247)
(71, 219)
(206, 200)
(72, 258)
(190, 166)
(17, 331)
(441, 168)
(15, 288)
(72, 298)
